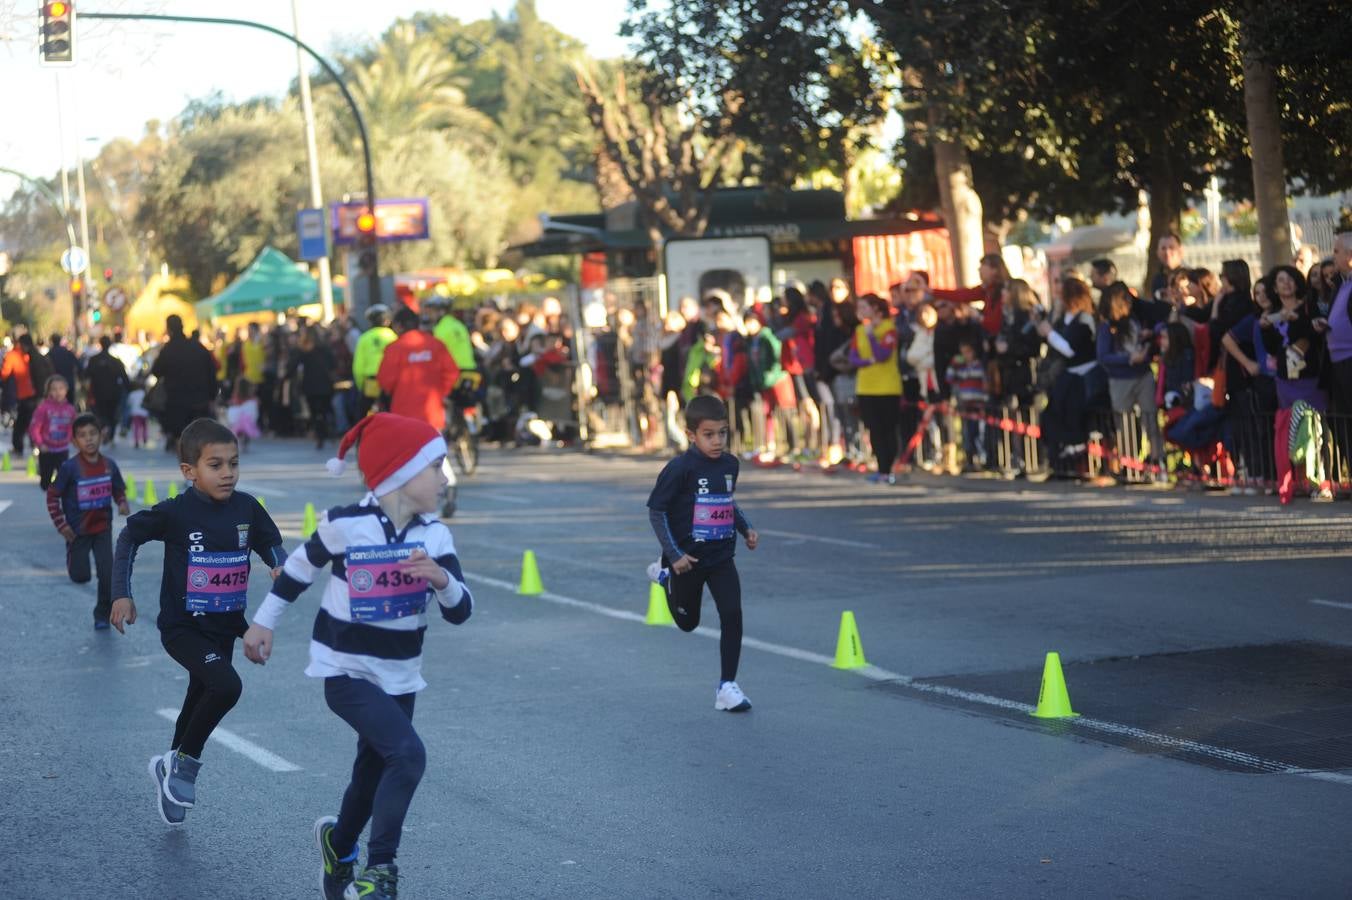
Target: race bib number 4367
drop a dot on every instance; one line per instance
(378, 588)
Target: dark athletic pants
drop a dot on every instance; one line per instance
(882, 415)
(213, 684)
(77, 566)
(48, 463)
(389, 764)
(685, 594)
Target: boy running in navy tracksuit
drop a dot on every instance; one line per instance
(208, 532)
(80, 501)
(697, 522)
(389, 555)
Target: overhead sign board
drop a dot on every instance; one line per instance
(741, 266)
(313, 240)
(396, 220)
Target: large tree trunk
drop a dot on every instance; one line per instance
(1166, 209)
(1264, 122)
(961, 205)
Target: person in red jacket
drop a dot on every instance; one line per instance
(417, 372)
(994, 277)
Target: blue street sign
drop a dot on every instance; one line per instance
(313, 240)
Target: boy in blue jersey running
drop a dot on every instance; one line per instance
(697, 522)
(208, 533)
(389, 557)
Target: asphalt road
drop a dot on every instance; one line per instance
(574, 751)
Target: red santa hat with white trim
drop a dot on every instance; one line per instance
(391, 450)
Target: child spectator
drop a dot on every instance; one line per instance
(139, 415)
(50, 428)
(207, 533)
(966, 377)
(80, 501)
(242, 414)
(692, 511)
(389, 555)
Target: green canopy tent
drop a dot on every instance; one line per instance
(272, 283)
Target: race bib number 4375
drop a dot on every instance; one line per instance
(378, 588)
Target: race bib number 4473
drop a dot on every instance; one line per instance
(379, 588)
(713, 518)
(218, 582)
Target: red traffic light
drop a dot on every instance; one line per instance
(107, 274)
(56, 44)
(366, 223)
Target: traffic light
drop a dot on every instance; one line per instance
(108, 276)
(56, 40)
(366, 243)
(76, 288)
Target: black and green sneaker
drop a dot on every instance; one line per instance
(375, 883)
(337, 873)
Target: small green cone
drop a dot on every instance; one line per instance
(531, 585)
(1053, 701)
(131, 488)
(658, 611)
(173, 489)
(263, 501)
(150, 498)
(5, 464)
(308, 527)
(32, 468)
(849, 649)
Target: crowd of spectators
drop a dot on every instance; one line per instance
(1214, 378)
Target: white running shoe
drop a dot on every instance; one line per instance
(655, 571)
(731, 698)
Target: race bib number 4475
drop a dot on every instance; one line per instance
(218, 582)
(378, 588)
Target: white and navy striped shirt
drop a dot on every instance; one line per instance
(386, 651)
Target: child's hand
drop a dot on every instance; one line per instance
(258, 644)
(123, 508)
(68, 533)
(684, 564)
(276, 573)
(420, 565)
(124, 611)
(752, 539)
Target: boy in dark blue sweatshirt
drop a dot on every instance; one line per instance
(208, 533)
(697, 522)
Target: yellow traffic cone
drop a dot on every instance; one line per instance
(131, 488)
(308, 527)
(150, 498)
(173, 489)
(530, 576)
(658, 611)
(849, 651)
(5, 464)
(1053, 702)
(32, 469)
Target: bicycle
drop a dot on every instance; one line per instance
(463, 423)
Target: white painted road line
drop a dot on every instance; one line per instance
(839, 542)
(265, 758)
(874, 673)
(5, 504)
(1334, 603)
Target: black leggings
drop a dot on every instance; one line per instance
(389, 764)
(882, 415)
(213, 685)
(77, 566)
(48, 463)
(685, 594)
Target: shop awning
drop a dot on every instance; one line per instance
(272, 283)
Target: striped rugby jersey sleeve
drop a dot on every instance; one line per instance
(299, 572)
(454, 600)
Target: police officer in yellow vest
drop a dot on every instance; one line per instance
(366, 358)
